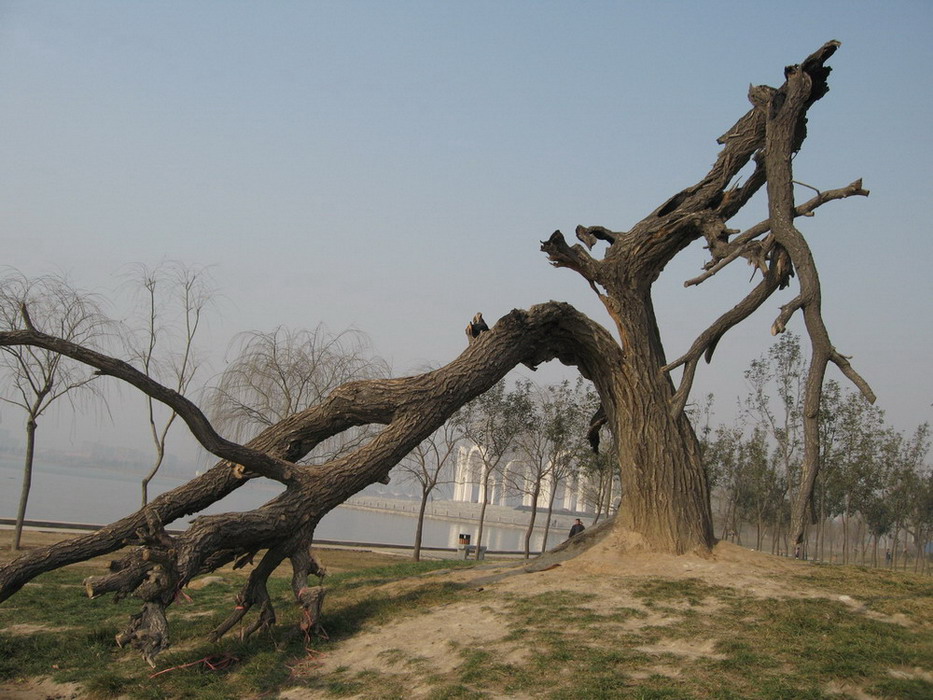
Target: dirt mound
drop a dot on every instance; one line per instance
(603, 563)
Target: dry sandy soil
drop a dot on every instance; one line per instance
(429, 638)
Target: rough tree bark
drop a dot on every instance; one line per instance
(665, 492)
(665, 495)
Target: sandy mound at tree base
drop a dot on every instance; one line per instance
(430, 641)
(622, 553)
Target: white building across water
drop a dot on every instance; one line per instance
(510, 486)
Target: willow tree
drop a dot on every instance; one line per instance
(665, 492)
(666, 497)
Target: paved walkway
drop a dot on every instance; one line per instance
(455, 511)
(459, 511)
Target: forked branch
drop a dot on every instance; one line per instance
(785, 130)
(741, 245)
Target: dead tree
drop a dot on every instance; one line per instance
(666, 495)
(665, 490)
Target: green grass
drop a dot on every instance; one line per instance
(673, 638)
(71, 638)
(690, 591)
(880, 590)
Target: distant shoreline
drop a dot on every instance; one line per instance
(47, 525)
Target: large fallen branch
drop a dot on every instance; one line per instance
(410, 408)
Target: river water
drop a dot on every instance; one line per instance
(81, 494)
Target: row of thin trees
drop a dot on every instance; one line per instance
(271, 375)
(873, 501)
(530, 440)
(268, 375)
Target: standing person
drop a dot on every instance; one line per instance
(576, 528)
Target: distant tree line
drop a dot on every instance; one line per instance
(873, 498)
(531, 442)
(872, 502)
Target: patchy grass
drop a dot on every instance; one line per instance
(839, 632)
(51, 629)
(880, 590)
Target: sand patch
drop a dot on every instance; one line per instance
(860, 608)
(203, 582)
(731, 566)
(911, 674)
(690, 648)
(847, 690)
(431, 639)
(39, 689)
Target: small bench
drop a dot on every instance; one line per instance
(465, 550)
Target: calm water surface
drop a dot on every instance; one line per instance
(93, 495)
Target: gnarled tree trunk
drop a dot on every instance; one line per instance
(664, 486)
(665, 494)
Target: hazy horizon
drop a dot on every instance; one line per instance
(392, 167)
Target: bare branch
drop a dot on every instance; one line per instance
(738, 246)
(842, 362)
(24, 312)
(787, 311)
(706, 342)
(191, 414)
(575, 257)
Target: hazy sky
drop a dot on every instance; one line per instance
(392, 166)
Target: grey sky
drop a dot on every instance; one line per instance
(392, 166)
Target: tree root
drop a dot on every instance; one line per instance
(147, 632)
(254, 593)
(311, 600)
